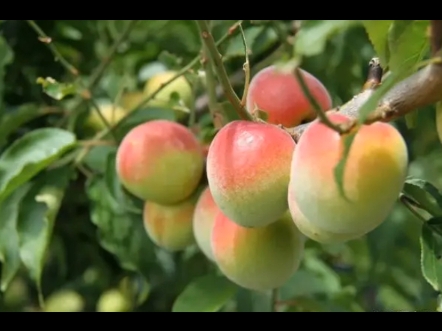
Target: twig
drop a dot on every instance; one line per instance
(317, 108)
(207, 64)
(96, 75)
(221, 71)
(419, 90)
(410, 205)
(185, 69)
(44, 38)
(246, 68)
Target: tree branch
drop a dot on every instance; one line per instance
(221, 71)
(419, 90)
(186, 68)
(207, 64)
(435, 36)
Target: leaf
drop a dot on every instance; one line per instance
(377, 31)
(205, 294)
(16, 118)
(114, 187)
(431, 257)
(425, 194)
(6, 57)
(408, 44)
(236, 45)
(56, 90)
(38, 212)
(312, 39)
(97, 157)
(31, 154)
(9, 240)
(120, 232)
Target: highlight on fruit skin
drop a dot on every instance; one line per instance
(248, 170)
(160, 161)
(203, 220)
(171, 227)
(258, 259)
(374, 175)
(280, 95)
(314, 232)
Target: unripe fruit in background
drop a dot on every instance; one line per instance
(179, 85)
(314, 232)
(170, 227)
(374, 176)
(280, 95)
(112, 113)
(257, 258)
(203, 219)
(248, 170)
(160, 161)
(113, 301)
(130, 100)
(64, 301)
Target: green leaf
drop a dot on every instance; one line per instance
(236, 45)
(16, 118)
(56, 90)
(312, 39)
(38, 212)
(31, 154)
(205, 294)
(425, 194)
(120, 232)
(431, 257)
(9, 240)
(97, 158)
(408, 44)
(6, 57)
(115, 188)
(377, 31)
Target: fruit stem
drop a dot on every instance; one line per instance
(318, 110)
(246, 68)
(207, 64)
(221, 71)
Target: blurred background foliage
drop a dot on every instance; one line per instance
(98, 256)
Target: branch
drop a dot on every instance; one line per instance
(435, 36)
(44, 38)
(207, 64)
(317, 108)
(419, 90)
(185, 69)
(96, 75)
(221, 71)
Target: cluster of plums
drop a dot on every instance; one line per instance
(266, 193)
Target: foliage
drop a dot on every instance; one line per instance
(67, 224)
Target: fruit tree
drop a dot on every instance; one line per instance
(220, 165)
